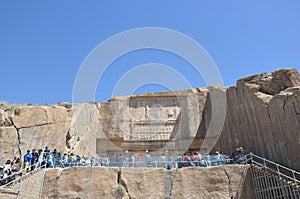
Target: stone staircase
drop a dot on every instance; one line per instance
(28, 186)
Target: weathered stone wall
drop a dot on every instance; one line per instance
(99, 182)
(263, 115)
(29, 127)
(75, 128)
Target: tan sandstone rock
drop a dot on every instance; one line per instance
(145, 183)
(38, 137)
(4, 118)
(264, 120)
(262, 115)
(213, 182)
(82, 182)
(9, 143)
(30, 116)
(99, 182)
(41, 126)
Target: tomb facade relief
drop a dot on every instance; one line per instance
(154, 118)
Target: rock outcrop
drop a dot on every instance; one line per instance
(99, 182)
(9, 143)
(262, 115)
(40, 126)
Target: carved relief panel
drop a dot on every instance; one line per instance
(153, 118)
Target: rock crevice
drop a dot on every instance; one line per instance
(194, 182)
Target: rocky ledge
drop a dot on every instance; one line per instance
(99, 182)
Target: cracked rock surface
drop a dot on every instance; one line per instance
(101, 182)
(262, 115)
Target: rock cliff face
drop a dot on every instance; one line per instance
(75, 128)
(262, 115)
(98, 182)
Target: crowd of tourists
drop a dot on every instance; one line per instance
(52, 159)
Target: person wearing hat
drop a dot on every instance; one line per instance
(240, 155)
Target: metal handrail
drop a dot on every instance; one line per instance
(286, 176)
(42, 184)
(3, 187)
(152, 163)
(276, 165)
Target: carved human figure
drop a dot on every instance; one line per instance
(171, 114)
(147, 111)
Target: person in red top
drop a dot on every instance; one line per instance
(186, 160)
(196, 159)
(138, 160)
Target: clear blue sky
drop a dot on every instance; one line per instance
(43, 43)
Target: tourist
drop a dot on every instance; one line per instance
(170, 158)
(217, 158)
(34, 159)
(14, 160)
(41, 160)
(148, 159)
(7, 166)
(196, 159)
(207, 160)
(47, 151)
(237, 157)
(64, 160)
(27, 160)
(200, 159)
(16, 166)
(240, 155)
(120, 160)
(162, 161)
(83, 161)
(54, 159)
(186, 160)
(104, 161)
(93, 162)
(2, 181)
(5, 176)
(77, 160)
(49, 160)
(223, 158)
(138, 160)
(57, 159)
(191, 162)
(131, 160)
(112, 160)
(179, 161)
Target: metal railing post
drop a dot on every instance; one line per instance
(42, 184)
(294, 177)
(277, 167)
